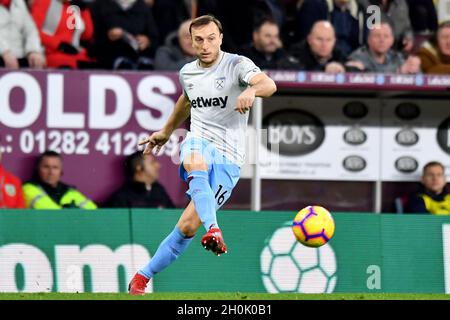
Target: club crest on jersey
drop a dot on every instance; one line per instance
(219, 83)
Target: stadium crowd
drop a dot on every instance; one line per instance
(313, 35)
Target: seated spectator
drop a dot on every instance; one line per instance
(348, 20)
(301, 15)
(423, 16)
(142, 189)
(64, 32)
(435, 54)
(169, 15)
(127, 37)
(433, 196)
(318, 52)
(19, 39)
(396, 13)
(46, 191)
(11, 195)
(178, 50)
(378, 55)
(266, 49)
(238, 18)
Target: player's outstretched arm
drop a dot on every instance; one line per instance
(260, 86)
(157, 139)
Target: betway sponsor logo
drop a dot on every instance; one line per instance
(201, 102)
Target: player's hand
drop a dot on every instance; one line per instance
(156, 139)
(245, 101)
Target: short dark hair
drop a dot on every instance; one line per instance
(433, 164)
(47, 153)
(263, 21)
(132, 162)
(204, 20)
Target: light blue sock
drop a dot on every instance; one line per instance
(203, 197)
(168, 251)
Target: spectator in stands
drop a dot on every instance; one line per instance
(238, 18)
(19, 39)
(266, 50)
(378, 55)
(301, 15)
(127, 37)
(318, 52)
(433, 195)
(348, 20)
(435, 54)
(423, 16)
(11, 195)
(178, 50)
(142, 189)
(46, 191)
(396, 12)
(169, 15)
(65, 32)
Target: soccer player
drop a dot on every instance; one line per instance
(218, 90)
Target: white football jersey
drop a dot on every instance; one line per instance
(213, 93)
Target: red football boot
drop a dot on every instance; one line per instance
(213, 240)
(137, 285)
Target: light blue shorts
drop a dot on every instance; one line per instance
(223, 174)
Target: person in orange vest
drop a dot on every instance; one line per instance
(64, 26)
(11, 196)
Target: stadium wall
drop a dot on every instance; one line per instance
(77, 251)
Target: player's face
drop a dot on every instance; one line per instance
(206, 41)
(434, 179)
(444, 40)
(267, 39)
(50, 170)
(380, 39)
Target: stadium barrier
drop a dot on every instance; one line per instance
(78, 251)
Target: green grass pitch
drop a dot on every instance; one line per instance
(222, 296)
